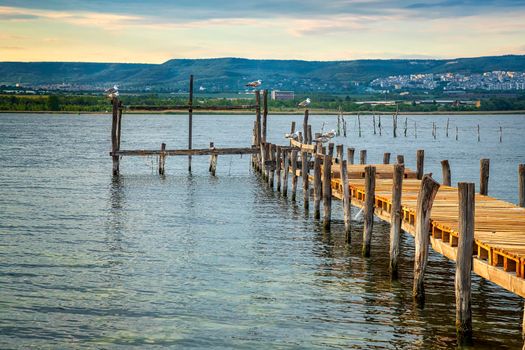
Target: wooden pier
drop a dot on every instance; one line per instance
(480, 233)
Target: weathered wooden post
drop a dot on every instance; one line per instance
(162, 158)
(317, 187)
(263, 156)
(359, 124)
(448, 121)
(394, 125)
(305, 126)
(425, 200)
(386, 158)
(304, 175)
(300, 137)
(457, 132)
(331, 149)
(286, 170)
(521, 185)
(327, 191)
(278, 156)
(379, 125)
(484, 170)
(350, 155)
(265, 115)
(310, 139)
(395, 217)
(400, 159)
(114, 135)
(339, 153)
(374, 121)
(406, 126)
(119, 128)
(368, 212)
(346, 202)
(420, 158)
(500, 135)
(447, 178)
(292, 130)
(294, 174)
(466, 194)
(362, 156)
(479, 136)
(271, 166)
(190, 120)
(213, 160)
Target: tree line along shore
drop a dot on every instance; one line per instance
(326, 104)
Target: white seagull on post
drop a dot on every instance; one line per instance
(304, 103)
(112, 92)
(255, 83)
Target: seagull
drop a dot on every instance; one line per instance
(112, 92)
(329, 135)
(292, 136)
(305, 103)
(255, 83)
(322, 139)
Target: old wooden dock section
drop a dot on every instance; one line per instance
(480, 233)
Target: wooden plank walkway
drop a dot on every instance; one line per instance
(499, 239)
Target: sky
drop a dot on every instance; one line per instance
(154, 31)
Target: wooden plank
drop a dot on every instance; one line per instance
(185, 152)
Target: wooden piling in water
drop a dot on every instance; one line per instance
(394, 125)
(374, 121)
(305, 176)
(362, 156)
(484, 170)
(213, 161)
(114, 135)
(264, 115)
(190, 120)
(294, 174)
(350, 153)
(446, 132)
(521, 185)
(162, 159)
(286, 170)
(425, 200)
(327, 191)
(317, 187)
(300, 137)
(379, 126)
(395, 217)
(339, 153)
(479, 136)
(466, 194)
(420, 160)
(386, 158)
(347, 207)
(406, 126)
(400, 159)
(310, 139)
(500, 134)
(359, 124)
(445, 168)
(305, 126)
(368, 212)
(457, 133)
(331, 149)
(278, 160)
(271, 168)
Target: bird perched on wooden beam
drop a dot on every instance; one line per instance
(112, 92)
(254, 84)
(305, 103)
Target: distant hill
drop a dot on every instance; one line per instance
(230, 74)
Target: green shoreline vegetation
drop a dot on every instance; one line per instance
(326, 103)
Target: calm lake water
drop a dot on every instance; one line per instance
(193, 261)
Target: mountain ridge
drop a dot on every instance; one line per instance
(231, 73)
